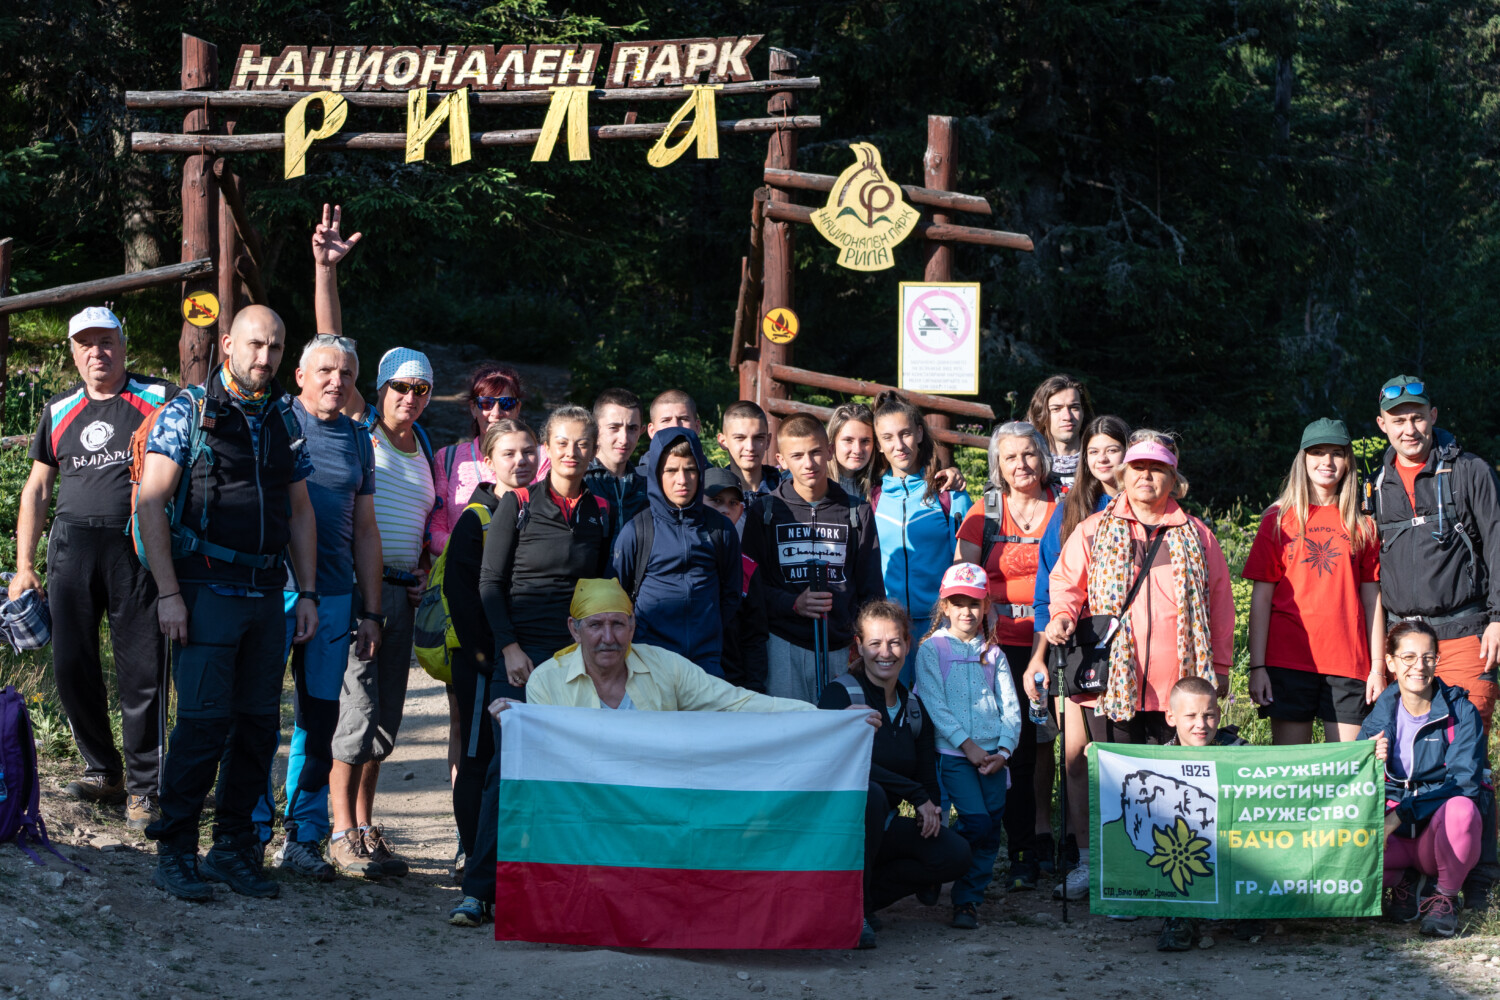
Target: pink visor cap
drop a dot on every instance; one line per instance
(964, 578)
(1150, 451)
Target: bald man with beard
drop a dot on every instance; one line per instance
(219, 575)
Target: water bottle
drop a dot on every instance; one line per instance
(1038, 710)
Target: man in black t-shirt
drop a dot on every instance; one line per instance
(82, 447)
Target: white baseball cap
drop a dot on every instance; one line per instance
(94, 318)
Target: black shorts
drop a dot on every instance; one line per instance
(1301, 696)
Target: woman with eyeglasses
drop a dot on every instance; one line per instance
(495, 394)
(1431, 740)
(1316, 625)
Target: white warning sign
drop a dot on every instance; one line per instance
(939, 349)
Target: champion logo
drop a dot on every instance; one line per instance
(96, 435)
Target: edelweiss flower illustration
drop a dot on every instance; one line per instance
(1321, 556)
(1180, 854)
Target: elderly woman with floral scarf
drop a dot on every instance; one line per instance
(1181, 623)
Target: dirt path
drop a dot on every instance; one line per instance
(109, 934)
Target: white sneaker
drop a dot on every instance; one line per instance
(1076, 885)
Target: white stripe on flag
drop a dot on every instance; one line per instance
(751, 751)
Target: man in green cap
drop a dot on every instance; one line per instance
(1438, 510)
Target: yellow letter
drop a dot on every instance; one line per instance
(572, 104)
(298, 139)
(420, 126)
(704, 131)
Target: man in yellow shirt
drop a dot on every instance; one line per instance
(602, 669)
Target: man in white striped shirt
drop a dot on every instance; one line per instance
(375, 690)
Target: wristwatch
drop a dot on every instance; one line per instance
(370, 616)
(308, 595)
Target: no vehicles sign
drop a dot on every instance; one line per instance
(939, 337)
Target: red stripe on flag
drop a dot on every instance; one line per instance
(676, 908)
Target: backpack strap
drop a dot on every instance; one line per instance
(645, 535)
(994, 518)
(523, 513)
(855, 689)
(874, 496)
(914, 713)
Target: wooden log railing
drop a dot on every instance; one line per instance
(859, 387)
(782, 211)
(799, 181)
(788, 407)
(226, 99)
(63, 294)
(265, 142)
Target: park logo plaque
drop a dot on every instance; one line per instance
(865, 216)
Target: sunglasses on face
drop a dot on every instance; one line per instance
(1395, 391)
(506, 403)
(406, 388)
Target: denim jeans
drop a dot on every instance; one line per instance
(980, 801)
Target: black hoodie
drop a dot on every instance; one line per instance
(783, 533)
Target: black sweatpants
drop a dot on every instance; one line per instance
(904, 861)
(477, 741)
(1020, 800)
(92, 571)
(479, 864)
(228, 678)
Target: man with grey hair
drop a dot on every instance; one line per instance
(82, 447)
(342, 492)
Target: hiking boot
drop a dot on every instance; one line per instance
(866, 937)
(1402, 898)
(1177, 934)
(97, 788)
(929, 895)
(350, 856)
(1439, 915)
(965, 917)
(178, 874)
(1044, 850)
(469, 913)
(1075, 885)
(381, 854)
(305, 858)
(1023, 873)
(1477, 889)
(456, 873)
(240, 868)
(141, 811)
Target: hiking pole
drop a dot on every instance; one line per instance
(1059, 664)
(819, 585)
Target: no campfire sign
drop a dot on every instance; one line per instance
(939, 337)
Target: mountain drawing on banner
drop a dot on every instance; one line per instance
(1159, 832)
(1150, 800)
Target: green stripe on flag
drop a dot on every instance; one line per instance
(637, 827)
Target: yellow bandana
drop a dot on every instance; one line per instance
(596, 597)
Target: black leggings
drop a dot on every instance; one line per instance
(1141, 728)
(476, 743)
(1020, 800)
(904, 861)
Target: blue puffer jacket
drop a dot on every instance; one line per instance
(691, 590)
(1447, 760)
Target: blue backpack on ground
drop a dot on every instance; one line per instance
(20, 788)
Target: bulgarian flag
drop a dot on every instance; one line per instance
(681, 829)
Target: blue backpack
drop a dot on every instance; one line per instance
(20, 789)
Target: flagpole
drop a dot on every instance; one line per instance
(1062, 733)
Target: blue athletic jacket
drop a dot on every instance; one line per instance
(917, 537)
(1448, 754)
(1048, 549)
(693, 572)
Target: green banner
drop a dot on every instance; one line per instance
(1236, 832)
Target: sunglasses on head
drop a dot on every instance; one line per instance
(506, 403)
(1394, 391)
(405, 388)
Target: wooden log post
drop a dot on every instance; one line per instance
(229, 251)
(781, 154)
(937, 174)
(5, 249)
(200, 210)
(748, 359)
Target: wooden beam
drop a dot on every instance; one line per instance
(859, 387)
(952, 200)
(200, 205)
(937, 173)
(777, 239)
(788, 407)
(98, 289)
(247, 234)
(224, 99)
(781, 211)
(267, 142)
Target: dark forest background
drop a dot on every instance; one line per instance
(1246, 214)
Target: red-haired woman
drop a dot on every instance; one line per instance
(495, 393)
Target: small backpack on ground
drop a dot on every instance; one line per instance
(857, 697)
(20, 789)
(433, 638)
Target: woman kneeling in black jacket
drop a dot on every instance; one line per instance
(903, 856)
